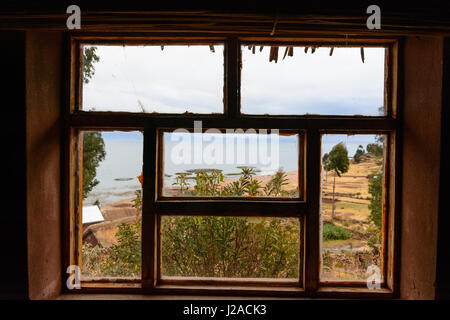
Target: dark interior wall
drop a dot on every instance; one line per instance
(13, 237)
(421, 160)
(43, 92)
(34, 167)
(443, 256)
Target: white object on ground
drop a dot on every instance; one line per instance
(92, 214)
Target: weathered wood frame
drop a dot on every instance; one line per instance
(306, 209)
(170, 202)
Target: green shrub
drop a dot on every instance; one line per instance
(229, 247)
(208, 245)
(333, 232)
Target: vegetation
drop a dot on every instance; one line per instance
(209, 183)
(375, 190)
(274, 187)
(337, 161)
(375, 149)
(93, 154)
(89, 58)
(125, 255)
(352, 243)
(333, 232)
(326, 165)
(206, 245)
(376, 199)
(93, 144)
(359, 152)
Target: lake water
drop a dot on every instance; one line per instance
(118, 172)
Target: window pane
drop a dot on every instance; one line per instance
(112, 197)
(313, 83)
(148, 79)
(213, 164)
(351, 206)
(230, 247)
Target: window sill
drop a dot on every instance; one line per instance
(134, 291)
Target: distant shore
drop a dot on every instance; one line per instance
(291, 176)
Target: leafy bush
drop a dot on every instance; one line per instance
(125, 255)
(376, 201)
(358, 154)
(374, 240)
(375, 149)
(333, 232)
(229, 247)
(122, 259)
(208, 246)
(209, 183)
(94, 260)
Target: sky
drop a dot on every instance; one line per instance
(190, 78)
(181, 78)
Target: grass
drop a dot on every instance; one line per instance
(358, 211)
(342, 205)
(333, 232)
(331, 244)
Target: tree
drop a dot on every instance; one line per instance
(89, 57)
(375, 149)
(93, 154)
(376, 199)
(326, 165)
(274, 186)
(376, 184)
(338, 161)
(359, 152)
(93, 144)
(375, 216)
(375, 190)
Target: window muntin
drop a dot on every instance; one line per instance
(353, 231)
(313, 83)
(154, 78)
(231, 163)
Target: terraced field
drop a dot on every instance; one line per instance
(348, 259)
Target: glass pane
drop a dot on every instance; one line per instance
(175, 79)
(230, 247)
(112, 204)
(351, 207)
(213, 164)
(313, 83)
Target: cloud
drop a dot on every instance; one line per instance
(181, 78)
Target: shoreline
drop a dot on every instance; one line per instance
(292, 183)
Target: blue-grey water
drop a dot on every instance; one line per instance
(118, 172)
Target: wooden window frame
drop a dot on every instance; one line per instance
(306, 209)
(277, 201)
